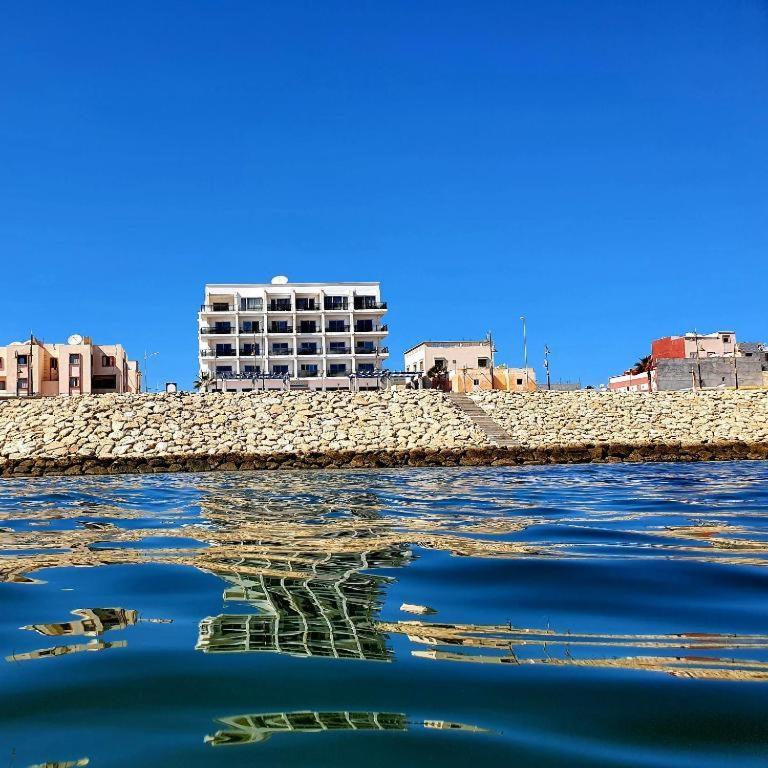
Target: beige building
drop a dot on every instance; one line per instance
(34, 368)
(469, 365)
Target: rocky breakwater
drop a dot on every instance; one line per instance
(631, 426)
(98, 434)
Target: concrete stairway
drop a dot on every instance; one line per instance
(482, 420)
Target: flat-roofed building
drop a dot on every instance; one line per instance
(468, 366)
(34, 368)
(306, 335)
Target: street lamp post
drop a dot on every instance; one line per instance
(546, 365)
(147, 356)
(525, 352)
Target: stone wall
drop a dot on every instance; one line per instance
(542, 419)
(128, 427)
(153, 433)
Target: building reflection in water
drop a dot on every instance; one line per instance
(63, 764)
(329, 611)
(251, 729)
(93, 623)
(699, 655)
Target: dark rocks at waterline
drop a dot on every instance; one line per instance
(482, 456)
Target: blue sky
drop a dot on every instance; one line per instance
(601, 167)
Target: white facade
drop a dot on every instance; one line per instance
(279, 334)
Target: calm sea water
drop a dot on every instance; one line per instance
(554, 616)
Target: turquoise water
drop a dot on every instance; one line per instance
(560, 616)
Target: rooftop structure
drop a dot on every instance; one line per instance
(302, 335)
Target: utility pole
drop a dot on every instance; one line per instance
(698, 359)
(30, 372)
(525, 351)
(546, 365)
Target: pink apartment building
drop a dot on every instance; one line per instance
(37, 369)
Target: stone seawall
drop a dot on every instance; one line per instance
(185, 432)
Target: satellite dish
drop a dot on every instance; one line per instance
(75, 339)
(279, 280)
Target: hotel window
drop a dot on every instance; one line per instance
(305, 304)
(23, 383)
(250, 326)
(251, 305)
(54, 363)
(249, 349)
(336, 326)
(364, 326)
(74, 381)
(107, 361)
(338, 369)
(338, 347)
(224, 350)
(482, 362)
(280, 305)
(336, 302)
(21, 359)
(74, 359)
(281, 369)
(365, 368)
(220, 306)
(252, 369)
(309, 369)
(307, 326)
(280, 349)
(223, 369)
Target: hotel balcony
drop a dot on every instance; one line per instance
(220, 330)
(217, 307)
(308, 374)
(308, 351)
(281, 352)
(280, 329)
(228, 352)
(372, 351)
(365, 328)
(362, 306)
(340, 351)
(307, 305)
(252, 331)
(250, 351)
(340, 329)
(280, 306)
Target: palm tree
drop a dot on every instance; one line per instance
(643, 365)
(202, 381)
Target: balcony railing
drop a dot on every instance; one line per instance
(275, 307)
(308, 351)
(252, 331)
(307, 307)
(281, 329)
(363, 305)
(340, 350)
(281, 352)
(371, 329)
(338, 374)
(341, 329)
(308, 374)
(217, 307)
(250, 351)
(228, 330)
(371, 350)
(309, 329)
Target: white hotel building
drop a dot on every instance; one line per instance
(303, 335)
